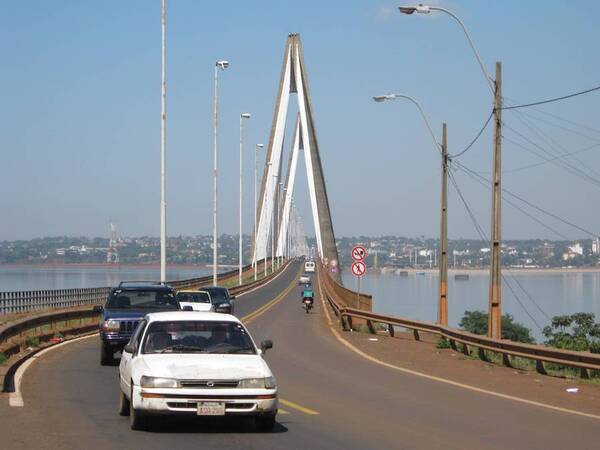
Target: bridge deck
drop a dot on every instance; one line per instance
(70, 401)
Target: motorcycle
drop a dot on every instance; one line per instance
(307, 303)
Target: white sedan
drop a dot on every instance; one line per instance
(194, 300)
(195, 363)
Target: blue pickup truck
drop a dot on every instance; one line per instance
(125, 307)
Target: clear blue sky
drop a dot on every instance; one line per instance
(80, 116)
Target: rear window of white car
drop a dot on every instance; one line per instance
(196, 336)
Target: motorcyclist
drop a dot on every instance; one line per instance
(308, 294)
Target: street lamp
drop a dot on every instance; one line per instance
(163, 149)
(443, 278)
(242, 117)
(279, 192)
(257, 147)
(388, 97)
(495, 85)
(267, 200)
(273, 225)
(221, 64)
(424, 9)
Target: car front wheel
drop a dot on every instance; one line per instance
(137, 419)
(106, 355)
(265, 423)
(124, 404)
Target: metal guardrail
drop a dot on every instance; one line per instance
(538, 353)
(26, 301)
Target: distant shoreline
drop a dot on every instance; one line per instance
(483, 271)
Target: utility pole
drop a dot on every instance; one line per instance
(443, 300)
(495, 300)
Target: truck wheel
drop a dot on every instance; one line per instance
(106, 355)
(124, 404)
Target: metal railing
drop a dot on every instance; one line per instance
(539, 353)
(17, 302)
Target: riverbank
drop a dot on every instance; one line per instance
(485, 271)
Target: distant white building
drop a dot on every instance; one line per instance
(596, 246)
(577, 248)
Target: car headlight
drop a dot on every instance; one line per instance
(258, 383)
(157, 382)
(110, 325)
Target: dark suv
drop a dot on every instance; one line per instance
(125, 307)
(221, 299)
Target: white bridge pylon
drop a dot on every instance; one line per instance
(293, 80)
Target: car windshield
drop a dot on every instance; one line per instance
(218, 293)
(147, 299)
(193, 297)
(219, 337)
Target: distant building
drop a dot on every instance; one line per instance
(596, 246)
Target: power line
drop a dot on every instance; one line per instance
(483, 236)
(528, 203)
(487, 183)
(551, 100)
(475, 138)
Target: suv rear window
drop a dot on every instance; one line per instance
(218, 293)
(193, 297)
(142, 299)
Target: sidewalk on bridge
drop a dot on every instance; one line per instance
(423, 356)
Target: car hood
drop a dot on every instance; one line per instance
(203, 366)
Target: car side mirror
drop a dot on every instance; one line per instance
(130, 348)
(98, 309)
(265, 345)
(187, 308)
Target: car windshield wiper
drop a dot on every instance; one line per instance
(241, 350)
(181, 348)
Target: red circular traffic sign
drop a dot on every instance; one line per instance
(359, 253)
(359, 268)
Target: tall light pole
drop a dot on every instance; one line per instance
(273, 226)
(218, 65)
(267, 200)
(443, 267)
(242, 117)
(256, 149)
(495, 291)
(163, 149)
(279, 192)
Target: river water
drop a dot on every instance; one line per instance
(36, 278)
(543, 295)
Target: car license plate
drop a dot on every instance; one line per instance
(211, 409)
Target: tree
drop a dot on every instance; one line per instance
(577, 331)
(477, 321)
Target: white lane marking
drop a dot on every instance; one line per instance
(469, 387)
(263, 285)
(15, 399)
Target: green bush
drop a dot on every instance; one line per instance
(476, 322)
(443, 343)
(574, 332)
(32, 341)
(2, 358)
